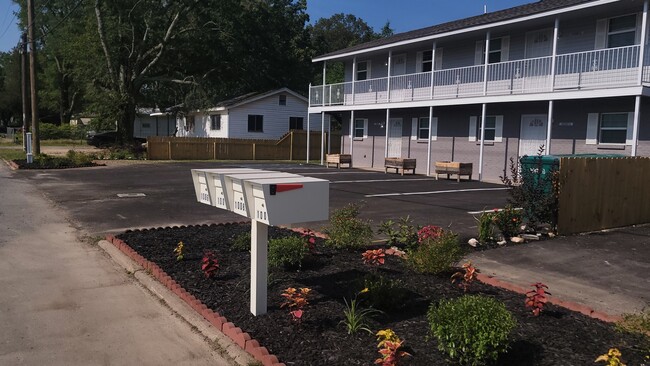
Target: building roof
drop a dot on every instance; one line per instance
(251, 97)
(479, 20)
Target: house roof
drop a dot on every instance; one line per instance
(251, 97)
(479, 20)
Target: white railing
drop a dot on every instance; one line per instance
(575, 71)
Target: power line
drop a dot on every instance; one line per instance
(49, 31)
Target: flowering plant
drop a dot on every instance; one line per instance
(295, 301)
(390, 348)
(465, 277)
(374, 257)
(429, 232)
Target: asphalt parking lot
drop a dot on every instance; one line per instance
(162, 194)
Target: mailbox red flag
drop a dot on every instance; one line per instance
(287, 187)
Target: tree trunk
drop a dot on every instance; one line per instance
(125, 123)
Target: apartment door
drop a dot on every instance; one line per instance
(399, 65)
(539, 43)
(395, 138)
(532, 134)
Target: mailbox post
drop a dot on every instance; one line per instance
(267, 198)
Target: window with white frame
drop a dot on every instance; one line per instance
(493, 128)
(359, 130)
(499, 51)
(363, 70)
(427, 61)
(612, 128)
(490, 128)
(295, 123)
(283, 99)
(423, 128)
(255, 123)
(189, 123)
(621, 31)
(494, 54)
(215, 122)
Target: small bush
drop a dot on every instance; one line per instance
(79, 158)
(635, 323)
(242, 243)
(402, 232)
(346, 230)
(485, 228)
(384, 294)
(436, 255)
(507, 221)
(471, 329)
(287, 252)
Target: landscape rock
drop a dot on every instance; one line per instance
(529, 236)
(516, 239)
(473, 242)
(502, 242)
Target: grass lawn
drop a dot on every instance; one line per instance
(12, 154)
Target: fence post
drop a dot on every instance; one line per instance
(214, 150)
(291, 148)
(169, 150)
(253, 151)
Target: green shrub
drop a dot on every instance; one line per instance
(384, 294)
(346, 230)
(287, 252)
(402, 232)
(48, 131)
(507, 221)
(472, 329)
(485, 227)
(436, 255)
(79, 158)
(242, 243)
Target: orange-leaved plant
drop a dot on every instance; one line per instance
(536, 299)
(295, 301)
(209, 264)
(374, 257)
(429, 232)
(390, 348)
(466, 277)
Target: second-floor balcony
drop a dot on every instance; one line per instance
(606, 68)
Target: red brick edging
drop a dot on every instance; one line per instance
(241, 338)
(583, 309)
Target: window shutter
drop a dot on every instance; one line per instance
(478, 53)
(592, 129)
(505, 48)
(472, 128)
(415, 122)
(601, 34)
(418, 62)
(365, 128)
(630, 129)
(434, 129)
(437, 65)
(498, 129)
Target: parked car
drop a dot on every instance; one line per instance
(107, 138)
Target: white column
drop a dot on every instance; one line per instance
(322, 137)
(480, 154)
(644, 24)
(28, 148)
(429, 140)
(390, 56)
(354, 75)
(329, 136)
(433, 68)
(308, 136)
(635, 128)
(387, 126)
(485, 73)
(351, 130)
(556, 34)
(549, 128)
(259, 267)
(324, 74)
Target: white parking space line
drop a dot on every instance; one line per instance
(434, 192)
(379, 180)
(483, 211)
(338, 172)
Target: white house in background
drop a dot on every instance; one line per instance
(153, 122)
(267, 115)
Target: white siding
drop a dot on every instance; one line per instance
(276, 117)
(157, 126)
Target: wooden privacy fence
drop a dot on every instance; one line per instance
(291, 146)
(601, 193)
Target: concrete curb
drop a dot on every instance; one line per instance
(579, 308)
(11, 164)
(237, 344)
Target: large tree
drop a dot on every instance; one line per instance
(10, 90)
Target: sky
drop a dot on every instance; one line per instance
(403, 15)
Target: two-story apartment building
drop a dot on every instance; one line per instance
(571, 75)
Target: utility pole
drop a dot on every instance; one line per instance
(23, 83)
(32, 76)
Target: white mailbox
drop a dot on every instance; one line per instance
(239, 202)
(205, 190)
(267, 198)
(288, 200)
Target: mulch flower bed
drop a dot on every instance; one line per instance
(556, 337)
(22, 164)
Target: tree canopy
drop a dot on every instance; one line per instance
(106, 57)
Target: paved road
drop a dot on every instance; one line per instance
(64, 302)
(89, 195)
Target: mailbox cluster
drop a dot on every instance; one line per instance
(267, 198)
(274, 198)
